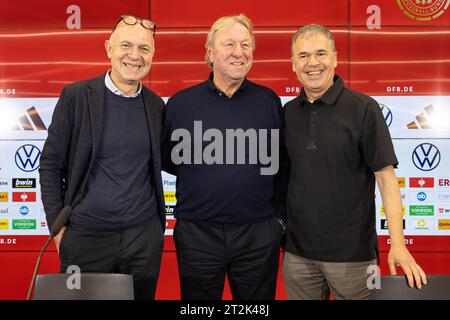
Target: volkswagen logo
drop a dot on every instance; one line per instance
(27, 157)
(426, 157)
(387, 114)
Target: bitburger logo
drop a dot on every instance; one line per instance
(423, 10)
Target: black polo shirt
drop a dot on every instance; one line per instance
(225, 193)
(335, 145)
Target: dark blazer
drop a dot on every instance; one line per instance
(73, 140)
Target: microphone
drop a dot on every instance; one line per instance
(60, 221)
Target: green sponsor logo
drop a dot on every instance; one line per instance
(24, 224)
(421, 210)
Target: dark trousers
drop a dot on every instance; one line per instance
(247, 252)
(136, 251)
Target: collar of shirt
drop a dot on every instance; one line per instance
(111, 86)
(330, 96)
(213, 87)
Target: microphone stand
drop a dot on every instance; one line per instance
(36, 268)
(59, 222)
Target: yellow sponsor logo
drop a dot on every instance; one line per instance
(421, 223)
(4, 225)
(383, 214)
(3, 196)
(444, 224)
(169, 196)
(401, 182)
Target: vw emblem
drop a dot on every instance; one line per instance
(387, 114)
(27, 157)
(426, 157)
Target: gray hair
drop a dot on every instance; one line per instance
(224, 22)
(309, 29)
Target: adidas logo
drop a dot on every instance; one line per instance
(423, 120)
(31, 120)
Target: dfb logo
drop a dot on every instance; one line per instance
(426, 157)
(27, 158)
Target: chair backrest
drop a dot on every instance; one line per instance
(89, 286)
(396, 288)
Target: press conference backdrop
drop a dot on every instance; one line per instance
(395, 51)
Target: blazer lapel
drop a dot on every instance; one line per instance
(153, 127)
(96, 101)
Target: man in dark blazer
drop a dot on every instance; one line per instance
(102, 159)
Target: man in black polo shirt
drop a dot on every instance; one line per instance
(338, 145)
(226, 209)
(102, 159)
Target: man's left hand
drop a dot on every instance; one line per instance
(400, 256)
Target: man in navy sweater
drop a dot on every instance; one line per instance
(229, 217)
(102, 159)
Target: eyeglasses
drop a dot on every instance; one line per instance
(132, 20)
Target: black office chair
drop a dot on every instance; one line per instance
(92, 286)
(396, 288)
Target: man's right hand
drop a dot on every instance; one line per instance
(58, 237)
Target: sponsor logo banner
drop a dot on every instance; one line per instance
(444, 209)
(426, 157)
(421, 210)
(27, 158)
(444, 182)
(24, 210)
(4, 210)
(444, 224)
(401, 182)
(170, 224)
(169, 196)
(4, 197)
(4, 224)
(24, 196)
(444, 196)
(24, 224)
(3, 183)
(383, 213)
(421, 196)
(24, 183)
(384, 224)
(29, 121)
(169, 210)
(418, 116)
(421, 224)
(28, 118)
(421, 182)
(169, 183)
(387, 113)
